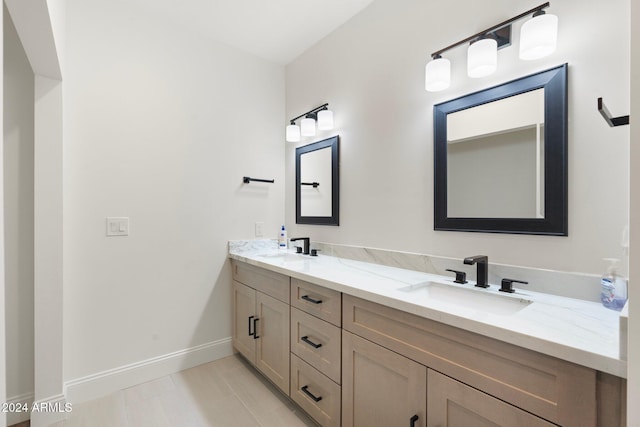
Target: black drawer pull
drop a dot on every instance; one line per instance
(251, 333)
(311, 343)
(308, 298)
(412, 421)
(308, 393)
(255, 328)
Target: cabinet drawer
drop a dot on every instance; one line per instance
(316, 394)
(265, 281)
(559, 391)
(316, 342)
(313, 299)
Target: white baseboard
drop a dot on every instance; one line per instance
(14, 417)
(103, 383)
(49, 411)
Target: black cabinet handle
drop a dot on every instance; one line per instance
(308, 393)
(308, 298)
(412, 421)
(311, 343)
(255, 328)
(254, 331)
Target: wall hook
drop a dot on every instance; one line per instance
(247, 180)
(613, 121)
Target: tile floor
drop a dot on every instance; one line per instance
(226, 392)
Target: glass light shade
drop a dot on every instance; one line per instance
(293, 133)
(482, 58)
(325, 119)
(538, 37)
(308, 127)
(437, 75)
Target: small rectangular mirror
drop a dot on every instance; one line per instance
(317, 183)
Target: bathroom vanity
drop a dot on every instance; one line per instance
(361, 344)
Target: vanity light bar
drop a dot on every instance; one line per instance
(490, 30)
(537, 39)
(321, 114)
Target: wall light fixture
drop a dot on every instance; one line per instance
(538, 37)
(321, 114)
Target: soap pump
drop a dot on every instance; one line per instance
(613, 294)
(282, 238)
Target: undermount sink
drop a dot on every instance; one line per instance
(285, 256)
(469, 298)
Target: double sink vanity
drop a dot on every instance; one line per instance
(357, 343)
(357, 337)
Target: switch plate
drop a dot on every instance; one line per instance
(117, 226)
(259, 229)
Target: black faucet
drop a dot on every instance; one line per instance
(305, 244)
(482, 277)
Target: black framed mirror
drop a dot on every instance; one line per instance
(500, 158)
(318, 183)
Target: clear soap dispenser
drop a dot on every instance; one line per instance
(613, 292)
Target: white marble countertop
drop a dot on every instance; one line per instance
(579, 331)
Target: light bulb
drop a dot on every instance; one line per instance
(293, 133)
(538, 36)
(482, 58)
(437, 74)
(308, 127)
(325, 119)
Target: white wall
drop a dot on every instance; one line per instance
(160, 126)
(3, 358)
(371, 71)
(18, 215)
(48, 272)
(35, 27)
(633, 374)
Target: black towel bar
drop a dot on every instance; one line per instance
(247, 180)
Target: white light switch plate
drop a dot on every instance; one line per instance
(259, 229)
(117, 226)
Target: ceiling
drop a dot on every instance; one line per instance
(276, 30)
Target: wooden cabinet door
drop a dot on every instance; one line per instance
(272, 341)
(244, 306)
(453, 404)
(380, 387)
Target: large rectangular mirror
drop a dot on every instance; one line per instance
(501, 158)
(317, 183)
